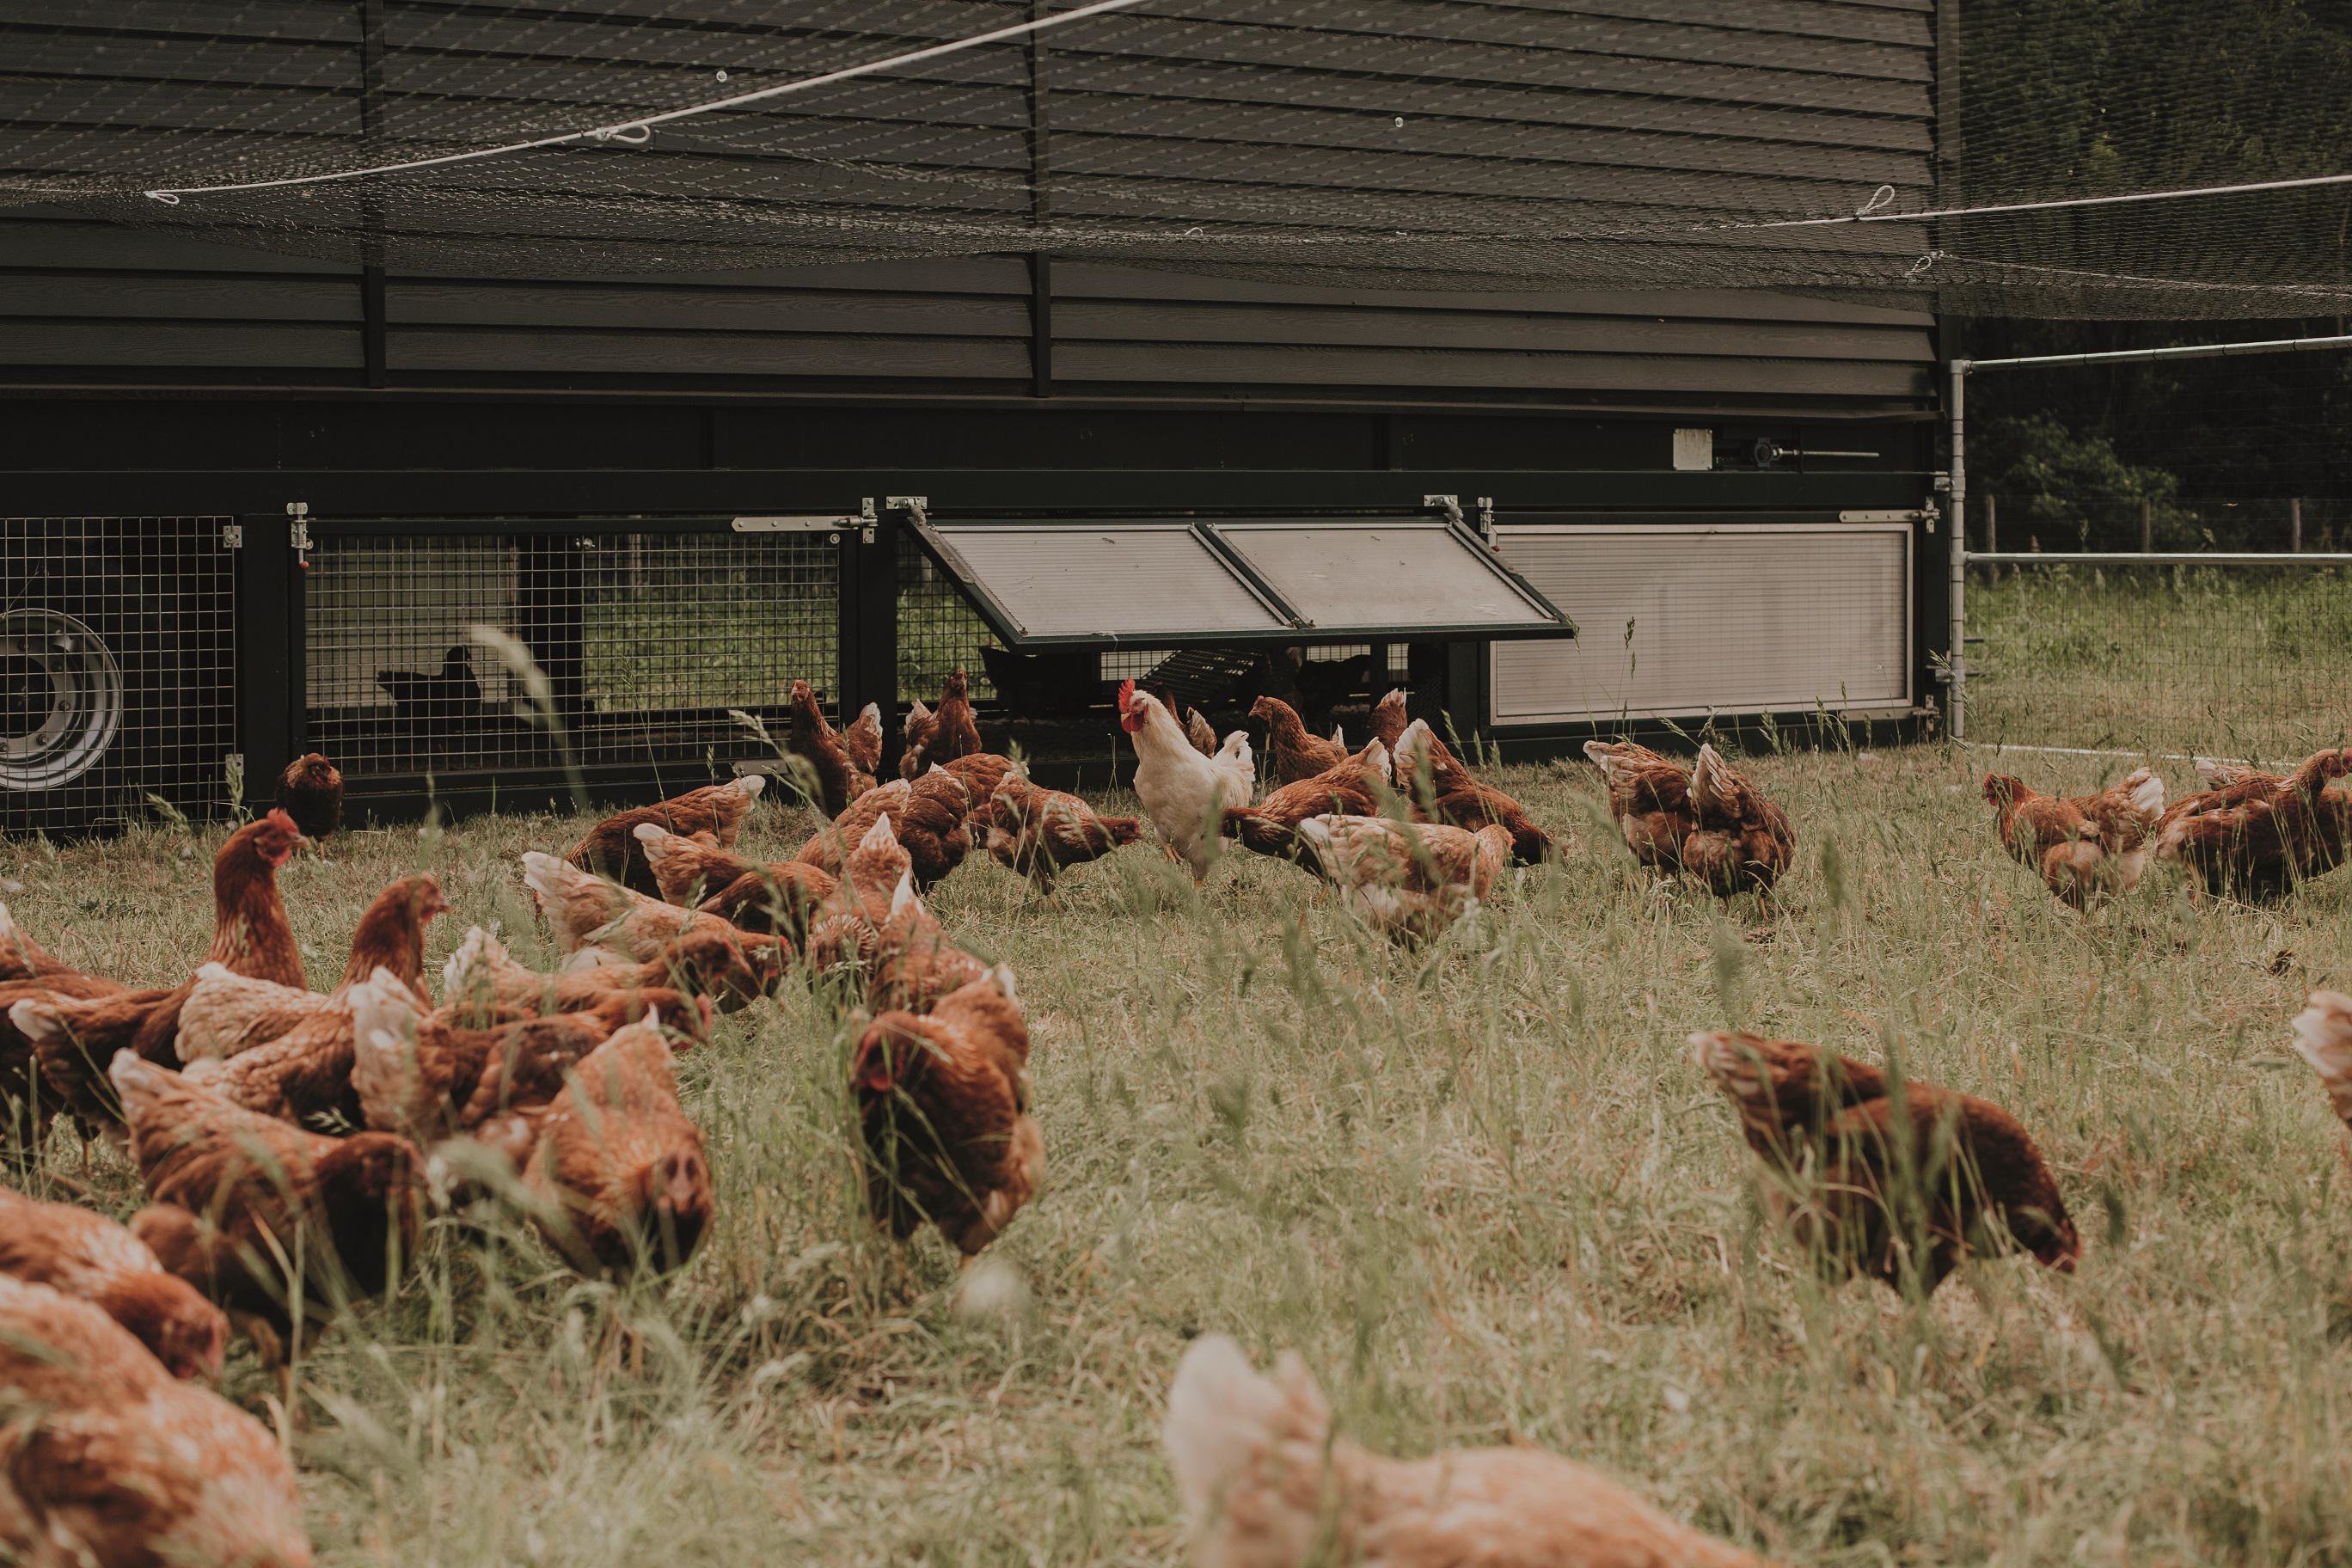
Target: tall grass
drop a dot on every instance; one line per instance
(1483, 1189)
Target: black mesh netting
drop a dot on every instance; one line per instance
(1827, 145)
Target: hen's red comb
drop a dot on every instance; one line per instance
(1126, 695)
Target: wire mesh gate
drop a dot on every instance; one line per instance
(649, 633)
(118, 662)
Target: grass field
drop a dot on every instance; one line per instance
(2245, 661)
(1485, 1191)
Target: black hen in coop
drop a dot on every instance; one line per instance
(422, 700)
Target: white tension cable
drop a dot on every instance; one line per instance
(637, 131)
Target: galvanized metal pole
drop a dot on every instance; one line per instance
(1956, 719)
(2147, 526)
(2295, 524)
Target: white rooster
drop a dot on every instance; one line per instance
(1184, 793)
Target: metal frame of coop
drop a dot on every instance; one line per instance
(299, 631)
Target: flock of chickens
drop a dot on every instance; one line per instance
(291, 1141)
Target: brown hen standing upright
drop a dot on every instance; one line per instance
(839, 778)
(1291, 753)
(1389, 720)
(311, 791)
(76, 1040)
(943, 734)
(1266, 1483)
(611, 848)
(2082, 845)
(115, 1465)
(2258, 833)
(943, 1105)
(1830, 1130)
(228, 1015)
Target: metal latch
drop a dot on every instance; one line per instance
(867, 520)
(299, 531)
(232, 536)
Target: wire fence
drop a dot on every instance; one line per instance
(118, 660)
(2232, 660)
(647, 639)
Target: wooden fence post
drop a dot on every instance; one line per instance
(2147, 526)
(1992, 535)
(2295, 524)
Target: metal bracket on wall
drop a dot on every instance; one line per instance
(917, 507)
(232, 536)
(1449, 507)
(806, 524)
(299, 531)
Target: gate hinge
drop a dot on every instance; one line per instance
(868, 521)
(1450, 506)
(232, 536)
(917, 507)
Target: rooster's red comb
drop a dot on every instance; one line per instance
(1126, 695)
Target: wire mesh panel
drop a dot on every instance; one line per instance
(1685, 619)
(938, 632)
(118, 669)
(2238, 661)
(647, 640)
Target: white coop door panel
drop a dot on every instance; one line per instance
(1684, 619)
(1128, 580)
(1404, 573)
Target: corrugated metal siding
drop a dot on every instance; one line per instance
(1847, 101)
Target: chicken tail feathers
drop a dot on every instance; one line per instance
(2144, 788)
(2323, 1036)
(472, 964)
(1225, 1419)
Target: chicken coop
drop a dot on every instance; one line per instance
(566, 463)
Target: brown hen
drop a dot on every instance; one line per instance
(122, 1467)
(839, 778)
(241, 1199)
(611, 848)
(77, 1039)
(943, 1105)
(311, 791)
(2084, 844)
(617, 1165)
(1291, 753)
(829, 846)
(1038, 833)
(89, 1258)
(1352, 786)
(943, 734)
(1443, 790)
(1845, 1152)
(1266, 1483)
(2260, 834)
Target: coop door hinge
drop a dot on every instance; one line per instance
(232, 536)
